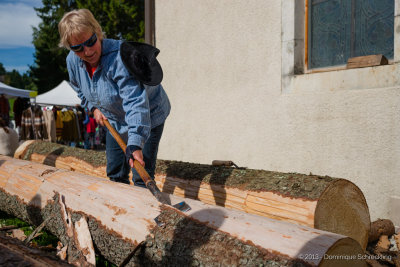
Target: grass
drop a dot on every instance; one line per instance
(45, 239)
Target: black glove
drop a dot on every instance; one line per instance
(129, 150)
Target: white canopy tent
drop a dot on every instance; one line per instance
(11, 92)
(62, 95)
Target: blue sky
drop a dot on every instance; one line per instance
(16, 19)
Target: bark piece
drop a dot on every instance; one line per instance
(383, 243)
(80, 250)
(18, 234)
(121, 216)
(62, 251)
(397, 240)
(84, 240)
(380, 227)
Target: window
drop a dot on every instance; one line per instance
(340, 29)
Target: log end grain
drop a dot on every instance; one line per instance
(342, 209)
(21, 150)
(345, 252)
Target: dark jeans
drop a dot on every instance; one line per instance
(117, 165)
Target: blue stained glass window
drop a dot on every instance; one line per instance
(340, 29)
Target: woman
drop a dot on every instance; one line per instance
(103, 83)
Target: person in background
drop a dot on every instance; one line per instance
(4, 109)
(81, 114)
(91, 130)
(133, 100)
(20, 104)
(85, 136)
(8, 139)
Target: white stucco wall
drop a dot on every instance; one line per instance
(224, 71)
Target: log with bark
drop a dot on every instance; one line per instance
(14, 252)
(119, 217)
(322, 202)
(380, 227)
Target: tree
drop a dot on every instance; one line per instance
(120, 19)
(15, 79)
(2, 69)
(49, 68)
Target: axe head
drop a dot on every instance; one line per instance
(181, 206)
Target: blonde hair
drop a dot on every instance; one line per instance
(77, 22)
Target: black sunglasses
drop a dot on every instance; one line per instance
(88, 43)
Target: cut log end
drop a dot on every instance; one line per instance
(345, 252)
(21, 150)
(342, 206)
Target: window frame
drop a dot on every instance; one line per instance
(307, 21)
(294, 43)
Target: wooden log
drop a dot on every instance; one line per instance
(63, 157)
(14, 252)
(322, 202)
(122, 216)
(366, 61)
(380, 227)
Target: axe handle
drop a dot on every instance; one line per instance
(116, 135)
(138, 167)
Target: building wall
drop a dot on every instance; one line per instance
(229, 72)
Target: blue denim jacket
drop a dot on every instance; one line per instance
(132, 109)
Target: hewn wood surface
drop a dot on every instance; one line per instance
(321, 202)
(121, 216)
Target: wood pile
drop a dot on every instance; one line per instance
(383, 244)
(120, 220)
(322, 202)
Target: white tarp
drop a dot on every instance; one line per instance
(62, 95)
(11, 92)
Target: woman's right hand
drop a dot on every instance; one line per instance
(99, 116)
